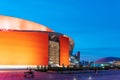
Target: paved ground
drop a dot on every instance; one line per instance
(100, 75)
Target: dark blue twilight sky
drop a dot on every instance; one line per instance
(93, 24)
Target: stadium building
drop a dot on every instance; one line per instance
(24, 43)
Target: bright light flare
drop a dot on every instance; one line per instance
(12, 23)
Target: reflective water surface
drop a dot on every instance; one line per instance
(100, 75)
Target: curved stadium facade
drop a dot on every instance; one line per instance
(27, 43)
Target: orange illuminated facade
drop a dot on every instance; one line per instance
(23, 48)
(64, 51)
(24, 42)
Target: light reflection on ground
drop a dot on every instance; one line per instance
(100, 75)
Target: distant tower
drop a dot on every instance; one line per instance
(78, 55)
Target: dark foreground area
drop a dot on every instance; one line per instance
(100, 75)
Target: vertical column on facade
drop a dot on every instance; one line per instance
(64, 50)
